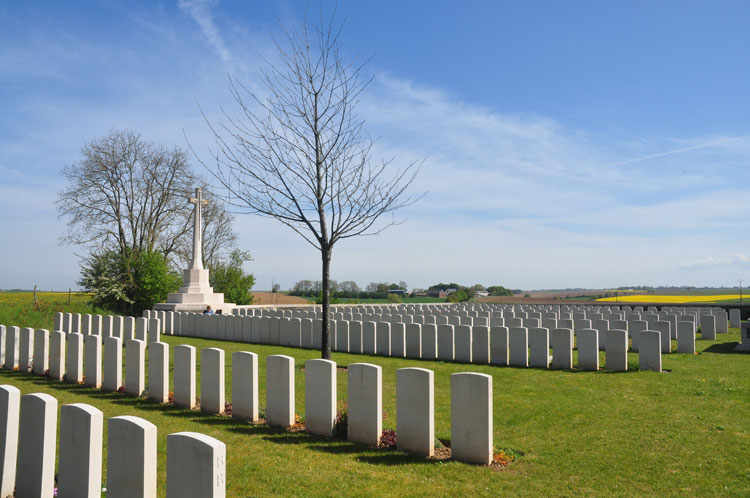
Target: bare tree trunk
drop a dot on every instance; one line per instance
(69, 296)
(326, 343)
(35, 303)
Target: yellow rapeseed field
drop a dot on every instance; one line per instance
(653, 298)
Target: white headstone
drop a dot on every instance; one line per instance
(80, 462)
(245, 385)
(184, 376)
(415, 411)
(365, 403)
(131, 458)
(471, 417)
(320, 397)
(212, 380)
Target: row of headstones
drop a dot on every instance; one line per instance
(463, 343)
(87, 359)
(124, 327)
(512, 316)
(472, 310)
(28, 439)
(471, 401)
(67, 354)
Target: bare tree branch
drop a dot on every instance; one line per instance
(299, 153)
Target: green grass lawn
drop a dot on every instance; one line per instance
(17, 308)
(679, 433)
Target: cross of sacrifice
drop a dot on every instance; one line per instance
(198, 200)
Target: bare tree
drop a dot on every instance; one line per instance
(130, 193)
(299, 154)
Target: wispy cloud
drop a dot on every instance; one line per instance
(200, 10)
(733, 260)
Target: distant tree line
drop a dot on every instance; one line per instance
(384, 290)
(348, 289)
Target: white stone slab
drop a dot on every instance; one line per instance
(26, 349)
(12, 340)
(562, 349)
(196, 466)
(538, 347)
(128, 328)
(112, 367)
(480, 344)
(415, 411)
(616, 358)
(398, 340)
(471, 416)
(184, 376)
(10, 405)
(369, 338)
(37, 440)
(57, 355)
(280, 390)
(107, 326)
(649, 350)
(499, 345)
(74, 358)
(413, 340)
(118, 324)
(685, 337)
(154, 330)
(664, 328)
(158, 371)
(245, 385)
(734, 318)
(212, 380)
(93, 360)
(365, 403)
(708, 327)
(383, 338)
(80, 462)
(320, 397)
(429, 341)
(588, 349)
(141, 329)
(518, 343)
(135, 367)
(131, 457)
(41, 351)
(446, 342)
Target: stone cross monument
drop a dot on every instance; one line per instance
(197, 262)
(196, 293)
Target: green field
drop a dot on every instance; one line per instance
(18, 307)
(684, 432)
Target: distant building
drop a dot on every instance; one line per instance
(481, 293)
(400, 292)
(441, 293)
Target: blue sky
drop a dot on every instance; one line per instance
(566, 144)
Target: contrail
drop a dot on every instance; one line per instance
(677, 151)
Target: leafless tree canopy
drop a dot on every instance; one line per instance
(299, 153)
(131, 193)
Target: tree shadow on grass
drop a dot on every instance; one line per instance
(724, 348)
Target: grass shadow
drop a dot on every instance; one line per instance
(723, 348)
(362, 453)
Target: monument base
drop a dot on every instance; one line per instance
(225, 308)
(195, 295)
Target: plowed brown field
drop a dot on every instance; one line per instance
(276, 298)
